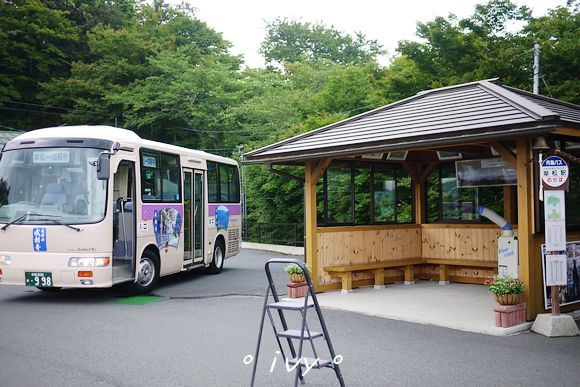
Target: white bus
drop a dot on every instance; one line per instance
(96, 206)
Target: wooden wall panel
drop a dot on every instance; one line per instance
(353, 245)
(478, 243)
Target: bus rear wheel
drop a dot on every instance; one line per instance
(217, 263)
(147, 274)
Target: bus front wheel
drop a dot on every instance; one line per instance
(217, 263)
(147, 274)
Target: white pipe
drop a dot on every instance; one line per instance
(506, 228)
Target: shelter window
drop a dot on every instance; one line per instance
(573, 196)
(364, 193)
(447, 203)
(339, 195)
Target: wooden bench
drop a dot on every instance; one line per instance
(445, 263)
(344, 272)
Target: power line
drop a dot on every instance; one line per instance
(545, 84)
(10, 128)
(30, 111)
(59, 107)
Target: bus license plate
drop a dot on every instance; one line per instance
(41, 279)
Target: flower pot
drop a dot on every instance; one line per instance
(297, 277)
(509, 315)
(297, 289)
(507, 299)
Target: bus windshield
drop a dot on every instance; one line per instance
(59, 183)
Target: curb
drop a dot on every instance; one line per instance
(288, 250)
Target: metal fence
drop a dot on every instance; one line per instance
(288, 234)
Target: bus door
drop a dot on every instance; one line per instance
(194, 215)
(124, 222)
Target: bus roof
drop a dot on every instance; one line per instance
(126, 138)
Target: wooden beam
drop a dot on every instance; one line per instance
(419, 197)
(421, 175)
(508, 207)
(525, 230)
(412, 169)
(505, 153)
(569, 132)
(310, 220)
(427, 171)
(320, 168)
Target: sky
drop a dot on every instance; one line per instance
(243, 22)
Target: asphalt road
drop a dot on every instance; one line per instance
(200, 335)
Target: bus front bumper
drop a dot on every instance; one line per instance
(52, 270)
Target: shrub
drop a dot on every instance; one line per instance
(294, 269)
(500, 285)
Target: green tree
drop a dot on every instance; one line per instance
(403, 78)
(453, 51)
(180, 103)
(165, 74)
(558, 33)
(35, 41)
(290, 41)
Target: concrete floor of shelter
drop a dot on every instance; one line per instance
(456, 306)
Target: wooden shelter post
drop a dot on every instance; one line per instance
(419, 175)
(525, 224)
(313, 170)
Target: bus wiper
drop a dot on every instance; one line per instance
(28, 214)
(20, 218)
(54, 221)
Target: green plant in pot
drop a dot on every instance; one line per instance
(295, 273)
(506, 290)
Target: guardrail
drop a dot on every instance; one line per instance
(287, 234)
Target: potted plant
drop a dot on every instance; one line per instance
(297, 287)
(506, 290)
(295, 273)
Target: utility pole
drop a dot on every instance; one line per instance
(536, 88)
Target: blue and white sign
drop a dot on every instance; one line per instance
(39, 238)
(554, 171)
(222, 217)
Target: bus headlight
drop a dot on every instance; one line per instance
(5, 260)
(88, 262)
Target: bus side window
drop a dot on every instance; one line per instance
(171, 177)
(229, 182)
(151, 176)
(160, 177)
(212, 182)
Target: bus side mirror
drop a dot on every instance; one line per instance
(103, 166)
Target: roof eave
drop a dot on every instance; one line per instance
(414, 144)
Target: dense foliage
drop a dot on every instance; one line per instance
(159, 70)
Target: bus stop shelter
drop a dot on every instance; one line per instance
(383, 193)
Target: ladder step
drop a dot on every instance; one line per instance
(286, 305)
(295, 334)
(320, 364)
